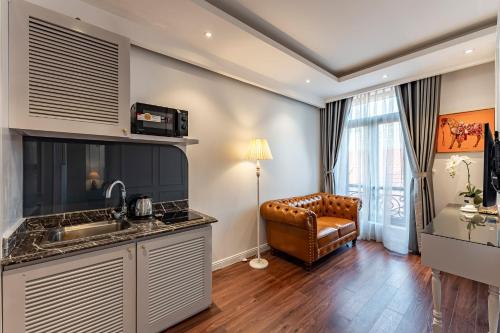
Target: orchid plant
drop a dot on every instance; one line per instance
(471, 191)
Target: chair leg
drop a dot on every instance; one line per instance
(354, 242)
(308, 266)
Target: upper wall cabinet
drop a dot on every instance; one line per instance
(66, 76)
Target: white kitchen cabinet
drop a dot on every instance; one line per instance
(66, 76)
(92, 292)
(174, 278)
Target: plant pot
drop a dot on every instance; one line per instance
(469, 205)
(468, 201)
(472, 201)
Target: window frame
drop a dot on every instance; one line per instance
(399, 220)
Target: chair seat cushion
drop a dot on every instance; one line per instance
(344, 226)
(326, 234)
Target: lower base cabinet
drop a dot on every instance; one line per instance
(174, 278)
(143, 287)
(92, 292)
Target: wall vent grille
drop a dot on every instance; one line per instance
(176, 278)
(72, 75)
(88, 299)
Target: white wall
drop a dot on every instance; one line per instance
(225, 114)
(465, 90)
(10, 143)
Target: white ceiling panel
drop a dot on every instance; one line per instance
(345, 36)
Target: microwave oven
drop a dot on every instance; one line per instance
(158, 120)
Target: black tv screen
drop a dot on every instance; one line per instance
(489, 192)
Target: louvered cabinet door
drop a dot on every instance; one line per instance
(93, 292)
(65, 75)
(174, 278)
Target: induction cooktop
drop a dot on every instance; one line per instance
(180, 216)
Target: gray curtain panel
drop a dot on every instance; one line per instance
(332, 121)
(418, 104)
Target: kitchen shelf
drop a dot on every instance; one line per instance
(137, 138)
(162, 139)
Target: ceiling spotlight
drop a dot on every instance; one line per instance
(208, 34)
(385, 76)
(469, 51)
(308, 81)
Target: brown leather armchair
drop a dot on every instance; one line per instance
(310, 227)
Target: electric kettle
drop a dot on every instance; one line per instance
(142, 207)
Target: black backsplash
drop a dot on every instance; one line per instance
(71, 175)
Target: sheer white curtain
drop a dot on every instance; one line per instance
(372, 166)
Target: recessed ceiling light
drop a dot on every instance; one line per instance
(308, 81)
(385, 76)
(469, 51)
(208, 34)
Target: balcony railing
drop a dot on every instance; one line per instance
(396, 201)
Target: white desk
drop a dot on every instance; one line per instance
(466, 245)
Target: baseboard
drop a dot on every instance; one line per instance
(238, 257)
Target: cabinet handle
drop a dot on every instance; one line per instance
(129, 250)
(124, 130)
(143, 247)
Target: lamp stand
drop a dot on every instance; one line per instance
(258, 262)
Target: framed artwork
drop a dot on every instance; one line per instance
(464, 131)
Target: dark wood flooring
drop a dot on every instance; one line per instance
(360, 289)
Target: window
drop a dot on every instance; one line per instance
(372, 165)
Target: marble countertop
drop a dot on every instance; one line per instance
(26, 245)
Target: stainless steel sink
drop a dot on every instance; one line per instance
(71, 234)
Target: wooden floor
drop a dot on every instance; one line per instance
(360, 289)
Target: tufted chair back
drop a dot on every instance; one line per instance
(313, 202)
(340, 206)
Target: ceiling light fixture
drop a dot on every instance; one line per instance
(385, 76)
(469, 51)
(308, 81)
(208, 34)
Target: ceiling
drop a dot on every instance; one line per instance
(312, 51)
(344, 37)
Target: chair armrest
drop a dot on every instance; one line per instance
(342, 206)
(293, 216)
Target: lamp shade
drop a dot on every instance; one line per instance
(259, 150)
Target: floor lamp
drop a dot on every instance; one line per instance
(258, 150)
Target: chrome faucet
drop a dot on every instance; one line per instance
(123, 213)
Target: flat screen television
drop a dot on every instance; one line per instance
(489, 192)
